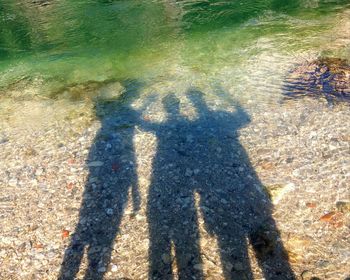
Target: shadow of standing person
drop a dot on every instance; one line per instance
(204, 156)
(112, 175)
(171, 208)
(234, 207)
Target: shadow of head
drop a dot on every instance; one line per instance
(171, 105)
(237, 119)
(130, 92)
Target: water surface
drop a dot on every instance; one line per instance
(53, 44)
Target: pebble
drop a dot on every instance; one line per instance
(306, 275)
(34, 182)
(110, 91)
(3, 140)
(40, 256)
(166, 258)
(229, 266)
(13, 182)
(189, 138)
(109, 211)
(278, 191)
(224, 201)
(322, 263)
(95, 164)
(93, 179)
(238, 266)
(188, 172)
(114, 268)
(139, 217)
(196, 171)
(39, 172)
(198, 266)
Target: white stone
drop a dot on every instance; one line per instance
(13, 183)
(95, 163)
(114, 268)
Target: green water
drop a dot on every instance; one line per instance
(54, 44)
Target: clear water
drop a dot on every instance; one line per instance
(54, 44)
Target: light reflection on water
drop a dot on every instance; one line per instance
(247, 45)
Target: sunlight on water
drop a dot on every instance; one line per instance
(54, 44)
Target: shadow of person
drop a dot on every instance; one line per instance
(171, 208)
(234, 207)
(112, 175)
(204, 156)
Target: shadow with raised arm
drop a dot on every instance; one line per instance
(234, 206)
(201, 169)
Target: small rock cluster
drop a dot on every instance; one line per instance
(324, 77)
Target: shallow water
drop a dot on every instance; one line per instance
(249, 46)
(202, 80)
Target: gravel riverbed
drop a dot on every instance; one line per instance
(185, 184)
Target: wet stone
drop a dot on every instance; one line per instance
(326, 77)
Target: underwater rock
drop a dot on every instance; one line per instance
(105, 91)
(327, 78)
(278, 191)
(41, 3)
(110, 91)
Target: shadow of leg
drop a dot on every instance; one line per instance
(223, 221)
(72, 258)
(160, 266)
(270, 253)
(186, 241)
(98, 257)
